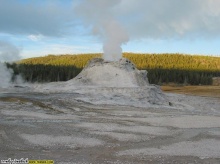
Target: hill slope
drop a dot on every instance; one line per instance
(142, 61)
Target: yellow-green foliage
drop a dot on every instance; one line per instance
(174, 61)
(142, 61)
(78, 61)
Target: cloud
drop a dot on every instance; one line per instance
(110, 21)
(37, 37)
(147, 19)
(170, 18)
(141, 19)
(57, 49)
(48, 18)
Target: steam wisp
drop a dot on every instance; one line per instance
(100, 15)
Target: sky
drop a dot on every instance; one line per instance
(30, 28)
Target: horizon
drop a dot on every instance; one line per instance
(138, 53)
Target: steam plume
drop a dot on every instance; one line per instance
(8, 53)
(100, 15)
(5, 76)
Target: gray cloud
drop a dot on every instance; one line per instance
(141, 18)
(170, 18)
(33, 17)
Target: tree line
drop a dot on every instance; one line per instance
(43, 73)
(162, 68)
(193, 77)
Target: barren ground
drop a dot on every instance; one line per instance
(62, 128)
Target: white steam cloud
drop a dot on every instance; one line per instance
(8, 53)
(5, 76)
(171, 20)
(99, 15)
(115, 36)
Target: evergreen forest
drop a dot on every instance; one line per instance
(162, 68)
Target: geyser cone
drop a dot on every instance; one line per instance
(122, 73)
(115, 83)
